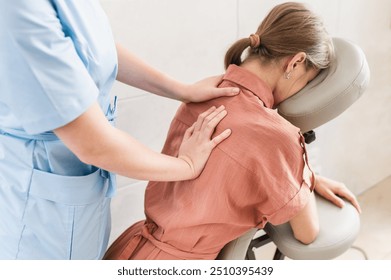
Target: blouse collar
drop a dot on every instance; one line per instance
(251, 82)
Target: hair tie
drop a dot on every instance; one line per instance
(255, 41)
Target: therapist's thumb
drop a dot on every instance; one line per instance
(229, 91)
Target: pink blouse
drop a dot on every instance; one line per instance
(259, 174)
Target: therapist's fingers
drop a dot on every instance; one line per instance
(223, 91)
(220, 138)
(210, 124)
(207, 89)
(197, 144)
(201, 118)
(208, 120)
(189, 132)
(207, 124)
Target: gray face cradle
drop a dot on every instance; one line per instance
(333, 91)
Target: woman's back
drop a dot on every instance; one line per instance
(236, 191)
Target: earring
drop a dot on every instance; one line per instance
(287, 75)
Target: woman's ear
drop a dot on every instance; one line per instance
(295, 61)
(299, 59)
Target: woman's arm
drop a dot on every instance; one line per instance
(134, 72)
(94, 141)
(305, 225)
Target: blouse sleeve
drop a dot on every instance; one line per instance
(290, 187)
(44, 83)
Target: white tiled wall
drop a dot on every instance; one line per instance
(187, 40)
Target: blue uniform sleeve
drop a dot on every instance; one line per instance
(44, 82)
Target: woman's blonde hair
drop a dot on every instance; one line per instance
(289, 28)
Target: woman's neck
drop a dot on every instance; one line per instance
(269, 73)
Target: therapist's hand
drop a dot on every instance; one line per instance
(335, 191)
(135, 72)
(197, 143)
(207, 89)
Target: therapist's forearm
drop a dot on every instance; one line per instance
(94, 141)
(128, 157)
(135, 72)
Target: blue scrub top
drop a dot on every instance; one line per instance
(57, 57)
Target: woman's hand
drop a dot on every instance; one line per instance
(197, 144)
(334, 191)
(207, 89)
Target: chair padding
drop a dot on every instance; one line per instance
(339, 227)
(237, 249)
(332, 91)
